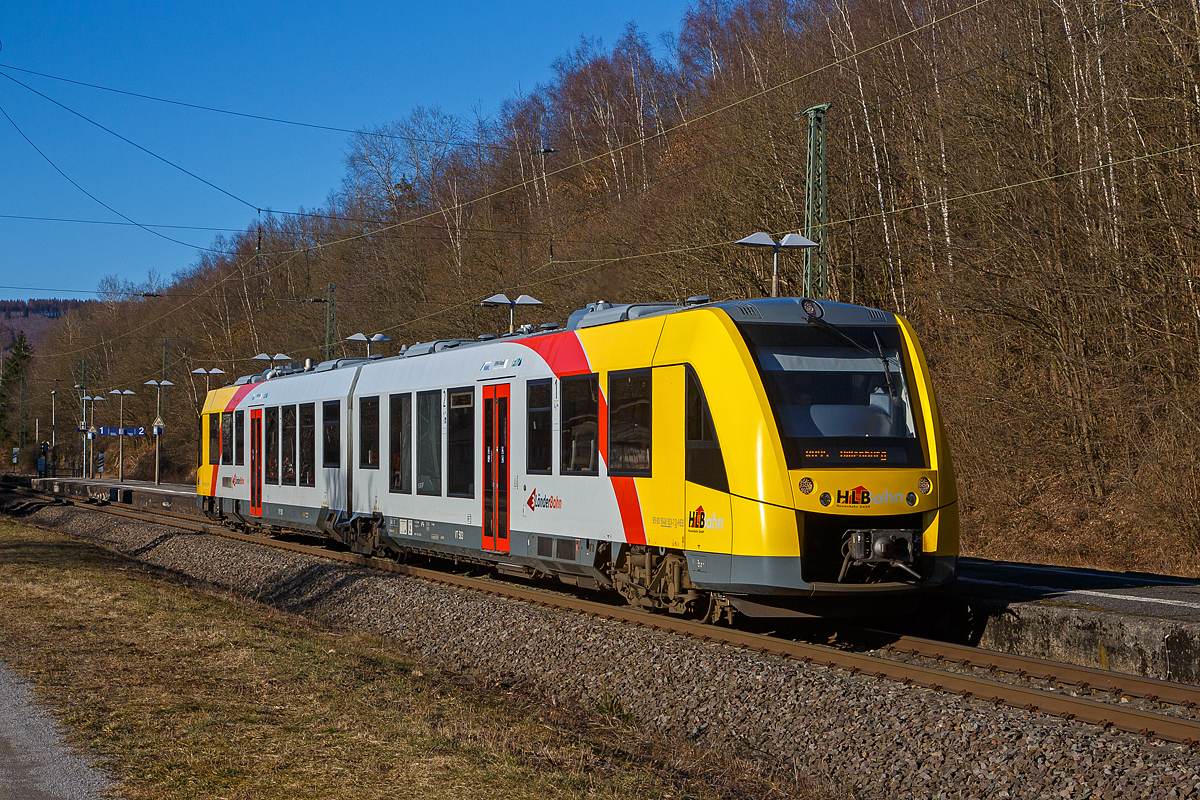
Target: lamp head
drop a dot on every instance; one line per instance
(497, 300)
(758, 239)
(796, 240)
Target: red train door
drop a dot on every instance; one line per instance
(256, 467)
(495, 467)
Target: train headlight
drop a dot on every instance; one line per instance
(812, 308)
(925, 485)
(826, 499)
(806, 485)
(911, 499)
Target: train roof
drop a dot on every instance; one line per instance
(768, 309)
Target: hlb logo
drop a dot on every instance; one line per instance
(861, 496)
(698, 519)
(858, 496)
(537, 501)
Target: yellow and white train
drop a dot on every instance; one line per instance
(774, 456)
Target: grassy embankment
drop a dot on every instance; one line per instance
(183, 692)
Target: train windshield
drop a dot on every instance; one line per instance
(840, 395)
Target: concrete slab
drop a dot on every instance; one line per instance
(1130, 622)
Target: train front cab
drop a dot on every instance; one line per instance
(771, 520)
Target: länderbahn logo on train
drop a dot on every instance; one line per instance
(537, 501)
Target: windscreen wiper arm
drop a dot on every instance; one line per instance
(887, 370)
(878, 353)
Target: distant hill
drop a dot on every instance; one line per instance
(36, 317)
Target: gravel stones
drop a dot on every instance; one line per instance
(34, 762)
(863, 736)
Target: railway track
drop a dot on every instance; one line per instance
(1083, 694)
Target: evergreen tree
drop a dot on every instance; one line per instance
(12, 369)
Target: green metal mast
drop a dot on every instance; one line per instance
(815, 278)
(330, 321)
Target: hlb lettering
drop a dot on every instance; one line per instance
(859, 496)
(698, 519)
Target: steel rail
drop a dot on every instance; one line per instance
(1034, 700)
(1085, 678)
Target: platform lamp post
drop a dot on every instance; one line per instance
(122, 393)
(761, 239)
(362, 337)
(87, 446)
(82, 427)
(91, 432)
(208, 373)
(54, 430)
(502, 300)
(158, 428)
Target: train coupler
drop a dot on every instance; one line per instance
(896, 548)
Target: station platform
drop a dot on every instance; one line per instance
(179, 498)
(1132, 622)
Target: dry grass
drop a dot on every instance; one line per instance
(1047, 525)
(186, 693)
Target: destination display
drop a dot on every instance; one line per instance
(855, 455)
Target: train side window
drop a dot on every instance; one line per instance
(429, 443)
(308, 444)
(704, 464)
(629, 395)
(368, 432)
(580, 409)
(400, 442)
(288, 454)
(214, 438)
(539, 442)
(226, 437)
(331, 427)
(271, 443)
(239, 433)
(460, 443)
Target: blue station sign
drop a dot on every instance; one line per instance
(140, 431)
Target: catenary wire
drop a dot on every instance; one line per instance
(620, 148)
(132, 143)
(89, 194)
(710, 113)
(260, 117)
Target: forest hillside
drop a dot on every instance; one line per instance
(1021, 179)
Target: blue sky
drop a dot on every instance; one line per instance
(350, 65)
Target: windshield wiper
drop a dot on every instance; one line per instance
(887, 370)
(877, 353)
